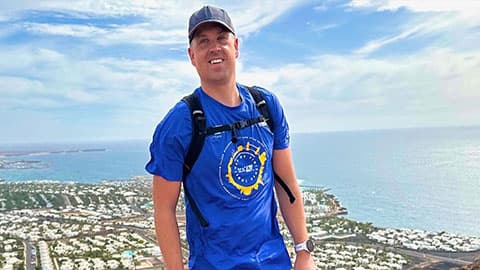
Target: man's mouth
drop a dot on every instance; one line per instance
(215, 61)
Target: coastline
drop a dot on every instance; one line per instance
(17, 153)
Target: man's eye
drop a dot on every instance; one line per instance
(222, 38)
(203, 41)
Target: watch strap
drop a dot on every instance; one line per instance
(303, 246)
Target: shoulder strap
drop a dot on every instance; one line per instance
(198, 132)
(196, 145)
(262, 107)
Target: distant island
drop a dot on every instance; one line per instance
(47, 152)
(22, 164)
(35, 164)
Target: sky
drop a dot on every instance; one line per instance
(111, 69)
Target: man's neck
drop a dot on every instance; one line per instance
(227, 94)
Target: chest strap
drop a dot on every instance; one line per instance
(234, 127)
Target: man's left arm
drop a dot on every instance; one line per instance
(293, 213)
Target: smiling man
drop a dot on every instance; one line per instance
(229, 145)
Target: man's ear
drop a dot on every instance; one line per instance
(191, 55)
(236, 47)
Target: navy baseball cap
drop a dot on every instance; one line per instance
(209, 14)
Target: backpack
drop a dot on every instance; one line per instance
(200, 131)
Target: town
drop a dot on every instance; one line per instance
(56, 225)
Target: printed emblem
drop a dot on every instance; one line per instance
(241, 168)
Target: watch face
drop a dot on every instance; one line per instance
(310, 245)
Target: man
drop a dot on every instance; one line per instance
(231, 183)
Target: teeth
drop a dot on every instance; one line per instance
(216, 61)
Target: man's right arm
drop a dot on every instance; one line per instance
(165, 198)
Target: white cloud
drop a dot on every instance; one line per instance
(81, 96)
(443, 18)
(143, 34)
(104, 7)
(165, 22)
(83, 31)
(112, 97)
(463, 6)
(410, 32)
(460, 12)
(12, 86)
(321, 8)
(323, 27)
(66, 80)
(330, 92)
(260, 13)
(352, 92)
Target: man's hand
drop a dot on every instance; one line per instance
(304, 261)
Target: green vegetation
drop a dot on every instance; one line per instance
(94, 254)
(39, 201)
(94, 200)
(342, 225)
(85, 199)
(55, 199)
(23, 195)
(11, 245)
(75, 248)
(20, 266)
(72, 200)
(347, 256)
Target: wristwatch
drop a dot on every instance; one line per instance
(308, 245)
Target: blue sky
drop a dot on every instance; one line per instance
(110, 69)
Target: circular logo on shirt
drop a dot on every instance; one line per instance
(241, 168)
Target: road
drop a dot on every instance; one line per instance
(432, 257)
(67, 200)
(28, 254)
(425, 257)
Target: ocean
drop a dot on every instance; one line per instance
(426, 179)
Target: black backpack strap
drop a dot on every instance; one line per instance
(198, 132)
(285, 187)
(234, 127)
(196, 145)
(261, 105)
(265, 112)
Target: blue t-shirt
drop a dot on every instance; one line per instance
(232, 183)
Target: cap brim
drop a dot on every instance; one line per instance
(195, 28)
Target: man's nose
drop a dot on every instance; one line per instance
(214, 47)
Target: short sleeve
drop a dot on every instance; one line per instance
(281, 129)
(170, 144)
